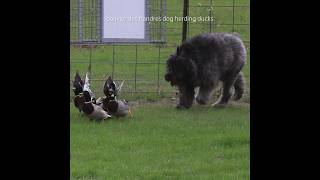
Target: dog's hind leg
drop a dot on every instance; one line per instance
(239, 85)
(228, 82)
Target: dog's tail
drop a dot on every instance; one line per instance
(239, 86)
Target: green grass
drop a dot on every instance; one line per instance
(160, 142)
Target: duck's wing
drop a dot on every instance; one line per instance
(77, 102)
(99, 100)
(119, 88)
(99, 113)
(86, 86)
(106, 86)
(123, 109)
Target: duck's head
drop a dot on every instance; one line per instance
(110, 89)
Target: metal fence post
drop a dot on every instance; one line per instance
(80, 16)
(185, 23)
(113, 54)
(135, 70)
(233, 3)
(159, 70)
(210, 15)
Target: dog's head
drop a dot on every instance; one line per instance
(180, 70)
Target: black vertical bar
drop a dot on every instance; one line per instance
(210, 15)
(113, 54)
(91, 20)
(90, 28)
(164, 24)
(89, 67)
(96, 8)
(97, 19)
(159, 71)
(188, 27)
(233, 2)
(135, 70)
(185, 23)
(80, 16)
(100, 19)
(210, 21)
(160, 24)
(153, 26)
(90, 57)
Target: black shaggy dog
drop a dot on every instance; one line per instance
(203, 61)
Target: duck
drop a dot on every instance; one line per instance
(110, 91)
(77, 84)
(118, 108)
(94, 112)
(81, 89)
(78, 90)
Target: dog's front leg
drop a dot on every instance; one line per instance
(186, 97)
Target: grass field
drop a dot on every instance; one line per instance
(160, 142)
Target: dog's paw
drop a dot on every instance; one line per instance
(179, 106)
(219, 105)
(200, 101)
(237, 96)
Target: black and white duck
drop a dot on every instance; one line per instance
(77, 84)
(78, 90)
(81, 89)
(118, 108)
(93, 111)
(111, 91)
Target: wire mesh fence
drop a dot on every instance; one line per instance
(142, 66)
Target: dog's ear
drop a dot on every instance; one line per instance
(190, 70)
(191, 65)
(178, 50)
(168, 77)
(186, 66)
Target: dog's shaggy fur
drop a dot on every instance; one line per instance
(203, 61)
